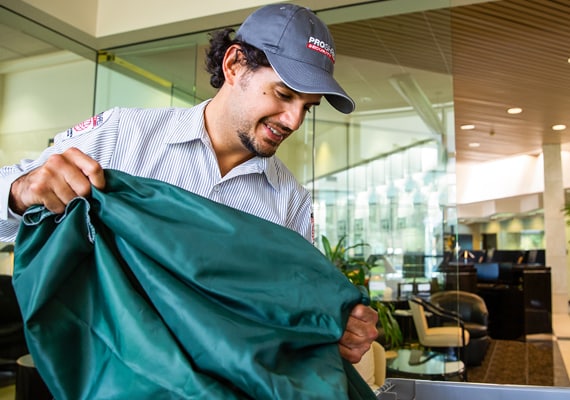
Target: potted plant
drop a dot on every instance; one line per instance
(357, 270)
(393, 337)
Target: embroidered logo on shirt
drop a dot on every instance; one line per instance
(87, 125)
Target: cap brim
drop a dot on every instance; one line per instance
(306, 78)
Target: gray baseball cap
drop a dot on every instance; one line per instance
(300, 49)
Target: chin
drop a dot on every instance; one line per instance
(267, 151)
(265, 154)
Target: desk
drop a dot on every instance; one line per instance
(459, 276)
(420, 364)
(521, 306)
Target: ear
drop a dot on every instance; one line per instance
(232, 64)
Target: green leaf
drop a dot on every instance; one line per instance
(392, 331)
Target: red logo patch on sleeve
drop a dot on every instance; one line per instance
(87, 125)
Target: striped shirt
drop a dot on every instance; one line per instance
(172, 145)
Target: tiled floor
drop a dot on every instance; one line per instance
(561, 328)
(560, 325)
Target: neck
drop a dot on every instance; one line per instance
(227, 146)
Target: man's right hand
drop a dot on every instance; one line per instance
(62, 178)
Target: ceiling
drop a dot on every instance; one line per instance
(500, 54)
(511, 54)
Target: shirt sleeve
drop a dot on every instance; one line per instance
(9, 221)
(95, 136)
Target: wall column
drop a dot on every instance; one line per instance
(555, 226)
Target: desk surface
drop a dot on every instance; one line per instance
(422, 364)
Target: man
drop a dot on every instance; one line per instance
(278, 66)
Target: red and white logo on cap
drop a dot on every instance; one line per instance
(322, 47)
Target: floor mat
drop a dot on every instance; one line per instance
(521, 363)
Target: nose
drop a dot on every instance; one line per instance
(293, 116)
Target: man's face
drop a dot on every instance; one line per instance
(269, 110)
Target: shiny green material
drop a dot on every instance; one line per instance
(147, 291)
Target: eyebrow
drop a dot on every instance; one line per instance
(284, 86)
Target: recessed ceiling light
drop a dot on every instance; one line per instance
(467, 127)
(514, 110)
(474, 144)
(559, 127)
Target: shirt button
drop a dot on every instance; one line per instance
(217, 188)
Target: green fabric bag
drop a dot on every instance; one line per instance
(146, 291)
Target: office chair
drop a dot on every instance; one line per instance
(439, 337)
(372, 366)
(12, 339)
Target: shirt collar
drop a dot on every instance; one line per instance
(268, 165)
(187, 125)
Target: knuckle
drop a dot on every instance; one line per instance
(55, 161)
(72, 151)
(40, 185)
(55, 207)
(83, 189)
(92, 168)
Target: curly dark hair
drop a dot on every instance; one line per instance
(220, 41)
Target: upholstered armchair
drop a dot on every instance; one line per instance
(453, 337)
(372, 366)
(472, 309)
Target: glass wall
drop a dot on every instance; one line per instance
(163, 73)
(46, 86)
(392, 200)
(382, 176)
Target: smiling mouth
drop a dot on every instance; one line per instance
(274, 135)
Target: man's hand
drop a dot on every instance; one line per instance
(62, 178)
(359, 334)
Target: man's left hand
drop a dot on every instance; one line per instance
(359, 334)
